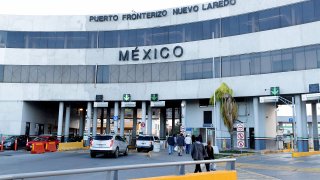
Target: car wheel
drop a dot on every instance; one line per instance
(116, 153)
(126, 152)
(138, 149)
(92, 155)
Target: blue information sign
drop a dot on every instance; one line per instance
(290, 120)
(115, 118)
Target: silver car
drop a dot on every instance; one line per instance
(108, 144)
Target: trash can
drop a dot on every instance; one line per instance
(156, 146)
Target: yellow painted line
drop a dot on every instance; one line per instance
(303, 154)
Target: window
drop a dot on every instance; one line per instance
(217, 67)
(265, 63)
(3, 39)
(308, 11)
(285, 16)
(189, 70)
(160, 35)
(253, 22)
(1, 73)
(123, 37)
(299, 59)
(269, 19)
(215, 24)
(164, 71)
(235, 66)
(204, 102)
(255, 63)
(311, 57)
(131, 73)
(318, 55)
(287, 60)
(207, 30)
(297, 14)
(243, 24)
(225, 64)
(207, 67)
(155, 72)
(147, 73)
(245, 64)
(132, 38)
(114, 74)
(276, 61)
(16, 40)
(316, 9)
(207, 117)
(230, 26)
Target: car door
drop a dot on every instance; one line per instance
(118, 141)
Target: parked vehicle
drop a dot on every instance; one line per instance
(146, 142)
(108, 144)
(9, 143)
(43, 140)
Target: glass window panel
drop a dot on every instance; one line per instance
(308, 11)
(196, 31)
(179, 71)
(25, 74)
(245, 65)
(74, 73)
(132, 38)
(123, 74)
(164, 72)
(7, 75)
(255, 63)
(57, 76)
(316, 9)
(234, 25)
(299, 58)
(225, 66)
(33, 74)
(160, 35)
(82, 74)
(172, 71)
(253, 22)
(131, 73)
(147, 73)
(50, 74)
(311, 57)
(297, 14)
(3, 39)
(60, 40)
(41, 74)
(100, 74)
(144, 37)
(215, 24)
(197, 69)
(114, 74)
(77, 39)
(155, 72)
(235, 66)
(269, 19)
(139, 72)
(265, 62)
(92, 39)
(123, 38)
(1, 73)
(180, 32)
(276, 61)
(105, 75)
(217, 65)
(287, 60)
(286, 16)
(16, 74)
(50, 39)
(207, 30)
(189, 70)
(183, 70)
(207, 67)
(16, 40)
(225, 27)
(66, 74)
(243, 24)
(318, 55)
(172, 34)
(110, 39)
(34, 40)
(91, 74)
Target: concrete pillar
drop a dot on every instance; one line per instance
(116, 117)
(122, 122)
(149, 124)
(218, 125)
(134, 126)
(183, 114)
(302, 136)
(163, 122)
(101, 120)
(81, 123)
(173, 120)
(108, 121)
(67, 124)
(260, 141)
(94, 123)
(60, 120)
(315, 127)
(88, 122)
(143, 117)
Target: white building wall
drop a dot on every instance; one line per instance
(10, 117)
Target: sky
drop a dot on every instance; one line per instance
(88, 7)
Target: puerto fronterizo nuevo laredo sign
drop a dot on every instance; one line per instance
(150, 53)
(163, 13)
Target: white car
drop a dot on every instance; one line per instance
(146, 142)
(108, 144)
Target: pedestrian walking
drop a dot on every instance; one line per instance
(170, 141)
(200, 138)
(198, 153)
(180, 144)
(193, 138)
(188, 142)
(210, 153)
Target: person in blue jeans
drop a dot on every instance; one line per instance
(188, 142)
(171, 143)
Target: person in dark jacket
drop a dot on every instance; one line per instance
(200, 138)
(210, 153)
(170, 144)
(198, 153)
(180, 144)
(193, 138)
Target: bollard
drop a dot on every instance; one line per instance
(15, 144)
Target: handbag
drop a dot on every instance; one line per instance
(176, 148)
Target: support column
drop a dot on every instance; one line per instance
(134, 126)
(173, 120)
(302, 137)
(183, 114)
(94, 123)
(67, 124)
(60, 120)
(122, 122)
(218, 125)
(259, 136)
(101, 120)
(88, 123)
(143, 117)
(116, 117)
(315, 127)
(108, 121)
(149, 127)
(81, 123)
(163, 122)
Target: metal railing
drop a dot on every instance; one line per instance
(112, 173)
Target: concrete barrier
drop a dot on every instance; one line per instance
(303, 154)
(71, 146)
(218, 175)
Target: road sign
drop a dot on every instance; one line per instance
(240, 143)
(143, 124)
(290, 120)
(157, 103)
(100, 104)
(126, 97)
(154, 97)
(240, 135)
(115, 118)
(274, 91)
(240, 127)
(128, 104)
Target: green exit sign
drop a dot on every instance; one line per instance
(154, 97)
(126, 97)
(274, 91)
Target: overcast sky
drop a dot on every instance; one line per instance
(82, 7)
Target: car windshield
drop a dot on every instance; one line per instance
(145, 138)
(38, 139)
(103, 137)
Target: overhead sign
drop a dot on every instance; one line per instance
(274, 91)
(100, 104)
(240, 143)
(240, 127)
(128, 104)
(158, 104)
(126, 97)
(268, 99)
(314, 88)
(154, 97)
(207, 125)
(310, 97)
